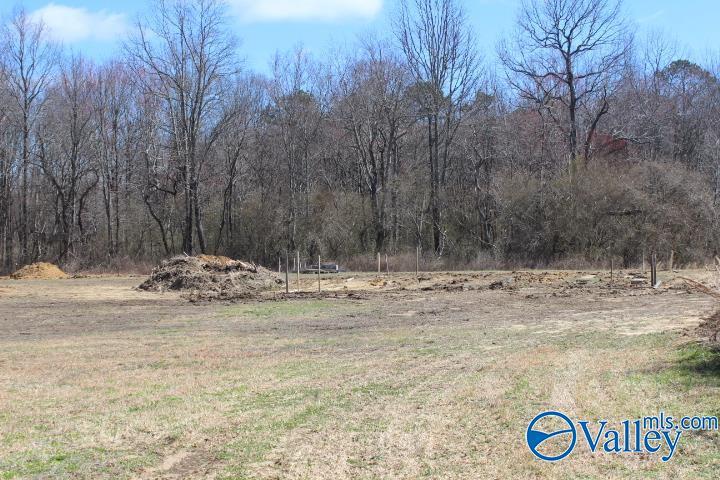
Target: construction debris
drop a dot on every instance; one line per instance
(701, 288)
(39, 271)
(209, 277)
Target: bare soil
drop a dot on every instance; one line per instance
(39, 271)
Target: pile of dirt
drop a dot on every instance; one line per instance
(709, 331)
(39, 271)
(208, 277)
(216, 259)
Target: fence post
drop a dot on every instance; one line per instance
(378, 258)
(318, 273)
(417, 261)
(643, 261)
(287, 273)
(653, 270)
(297, 256)
(387, 264)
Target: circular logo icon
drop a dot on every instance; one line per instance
(551, 436)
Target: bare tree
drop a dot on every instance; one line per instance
(439, 49)
(563, 57)
(66, 151)
(241, 114)
(7, 169)
(407, 142)
(373, 109)
(113, 109)
(27, 68)
(183, 55)
(297, 92)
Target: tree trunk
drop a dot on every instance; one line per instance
(24, 232)
(187, 245)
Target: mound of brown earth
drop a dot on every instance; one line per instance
(709, 331)
(39, 271)
(208, 277)
(219, 259)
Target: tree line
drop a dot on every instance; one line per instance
(572, 141)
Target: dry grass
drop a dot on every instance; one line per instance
(100, 381)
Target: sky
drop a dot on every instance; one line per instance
(95, 27)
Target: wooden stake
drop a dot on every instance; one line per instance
(387, 264)
(378, 263)
(287, 273)
(417, 261)
(611, 270)
(653, 270)
(318, 273)
(670, 262)
(643, 261)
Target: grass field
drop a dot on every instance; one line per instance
(98, 380)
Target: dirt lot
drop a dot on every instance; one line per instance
(378, 377)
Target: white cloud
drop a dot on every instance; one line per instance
(652, 16)
(70, 24)
(326, 10)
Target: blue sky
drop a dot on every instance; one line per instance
(266, 26)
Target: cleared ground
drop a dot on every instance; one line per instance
(378, 378)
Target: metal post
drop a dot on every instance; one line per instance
(318, 273)
(297, 256)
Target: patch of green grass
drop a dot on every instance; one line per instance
(233, 393)
(377, 390)
(693, 365)
(369, 425)
(427, 352)
(520, 389)
(700, 360)
(270, 402)
(279, 309)
(10, 438)
(310, 414)
(53, 464)
(608, 340)
(156, 403)
(295, 369)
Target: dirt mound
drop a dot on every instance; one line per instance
(39, 271)
(218, 259)
(208, 277)
(709, 331)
